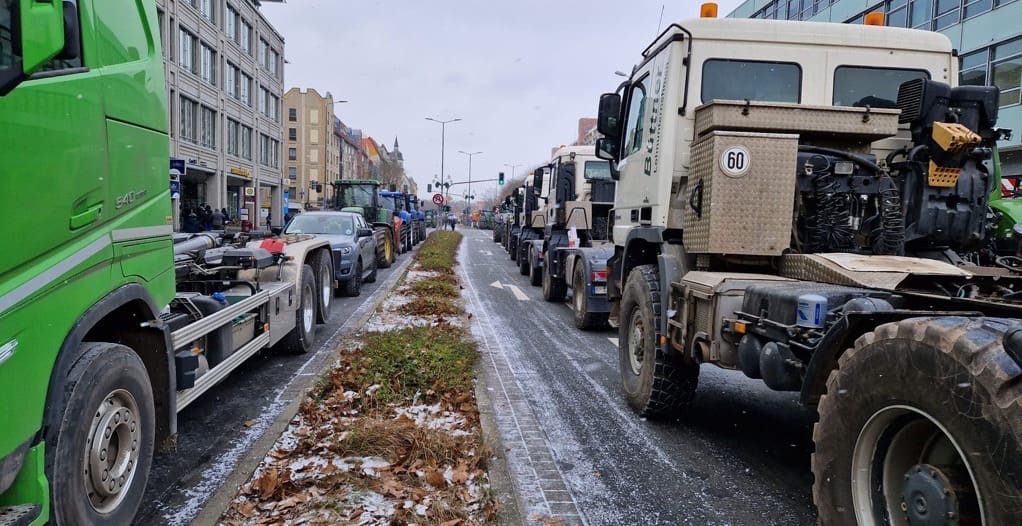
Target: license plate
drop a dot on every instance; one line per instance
(599, 289)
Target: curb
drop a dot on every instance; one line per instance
(295, 391)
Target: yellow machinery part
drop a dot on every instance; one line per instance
(954, 138)
(941, 177)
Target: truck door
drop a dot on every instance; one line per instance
(636, 160)
(54, 190)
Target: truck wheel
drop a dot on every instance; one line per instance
(584, 319)
(922, 424)
(321, 264)
(523, 263)
(100, 452)
(535, 272)
(554, 289)
(353, 287)
(656, 384)
(299, 340)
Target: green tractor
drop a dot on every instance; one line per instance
(363, 196)
(1007, 204)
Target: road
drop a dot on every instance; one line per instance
(217, 430)
(576, 452)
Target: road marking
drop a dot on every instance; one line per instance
(497, 284)
(613, 340)
(518, 293)
(486, 252)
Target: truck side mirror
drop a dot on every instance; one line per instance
(607, 148)
(608, 118)
(41, 28)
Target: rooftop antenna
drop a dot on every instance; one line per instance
(660, 22)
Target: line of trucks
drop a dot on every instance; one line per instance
(819, 207)
(813, 205)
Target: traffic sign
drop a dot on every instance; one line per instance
(438, 199)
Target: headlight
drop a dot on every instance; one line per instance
(345, 251)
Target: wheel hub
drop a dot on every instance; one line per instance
(308, 313)
(112, 450)
(635, 351)
(929, 498)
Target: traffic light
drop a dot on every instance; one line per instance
(429, 188)
(500, 178)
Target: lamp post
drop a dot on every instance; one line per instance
(469, 154)
(443, 136)
(512, 167)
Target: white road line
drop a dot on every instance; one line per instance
(613, 340)
(518, 293)
(486, 252)
(496, 284)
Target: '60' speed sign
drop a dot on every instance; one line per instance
(734, 161)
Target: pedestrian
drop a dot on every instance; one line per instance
(217, 220)
(207, 216)
(192, 224)
(452, 220)
(269, 219)
(227, 217)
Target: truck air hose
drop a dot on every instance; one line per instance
(891, 238)
(831, 228)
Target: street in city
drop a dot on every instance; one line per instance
(577, 453)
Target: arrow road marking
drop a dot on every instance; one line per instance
(518, 293)
(613, 340)
(496, 284)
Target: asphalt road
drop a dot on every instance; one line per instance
(739, 456)
(215, 431)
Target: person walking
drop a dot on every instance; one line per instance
(216, 220)
(452, 220)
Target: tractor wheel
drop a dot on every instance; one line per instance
(321, 263)
(922, 424)
(385, 253)
(584, 319)
(523, 263)
(299, 340)
(99, 452)
(554, 289)
(656, 384)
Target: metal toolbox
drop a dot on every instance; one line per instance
(867, 124)
(740, 194)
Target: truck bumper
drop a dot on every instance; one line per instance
(597, 302)
(30, 488)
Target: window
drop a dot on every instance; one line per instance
(292, 154)
(8, 56)
(636, 116)
(919, 14)
(263, 97)
(231, 24)
(233, 130)
(263, 52)
(973, 69)
(761, 81)
(208, 128)
(274, 108)
(269, 151)
(189, 118)
(208, 69)
(292, 173)
(245, 36)
(976, 7)
(245, 88)
(875, 87)
(245, 141)
(1006, 71)
(272, 63)
(186, 57)
(160, 16)
(292, 134)
(231, 80)
(597, 170)
(292, 114)
(208, 10)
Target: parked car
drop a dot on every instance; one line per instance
(352, 242)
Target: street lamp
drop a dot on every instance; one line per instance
(512, 167)
(443, 135)
(469, 154)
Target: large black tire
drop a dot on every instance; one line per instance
(584, 319)
(353, 287)
(917, 407)
(523, 263)
(554, 289)
(385, 255)
(299, 340)
(106, 391)
(657, 383)
(535, 270)
(322, 265)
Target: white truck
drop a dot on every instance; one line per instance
(807, 203)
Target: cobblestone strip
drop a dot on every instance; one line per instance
(538, 482)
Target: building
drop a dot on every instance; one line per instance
(313, 150)
(986, 34)
(353, 158)
(225, 70)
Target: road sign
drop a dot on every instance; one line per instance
(438, 199)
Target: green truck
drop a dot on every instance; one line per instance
(109, 323)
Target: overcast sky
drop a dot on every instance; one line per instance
(520, 73)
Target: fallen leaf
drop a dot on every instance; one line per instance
(460, 474)
(249, 423)
(267, 483)
(454, 522)
(246, 509)
(435, 478)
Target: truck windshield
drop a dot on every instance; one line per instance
(874, 87)
(597, 170)
(727, 79)
(357, 195)
(321, 224)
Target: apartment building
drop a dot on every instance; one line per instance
(986, 34)
(313, 149)
(225, 73)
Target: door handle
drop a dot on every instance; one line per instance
(90, 215)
